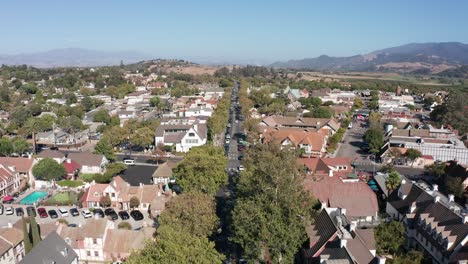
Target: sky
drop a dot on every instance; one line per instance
(268, 30)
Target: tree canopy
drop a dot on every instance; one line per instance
(374, 137)
(202, 170)
(48, 169)
(105, 148)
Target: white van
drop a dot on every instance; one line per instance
(129, 162)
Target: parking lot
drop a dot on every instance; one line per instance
(79, 220)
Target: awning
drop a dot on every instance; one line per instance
(7, 198)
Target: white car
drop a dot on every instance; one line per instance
(9, 210)
(129, 162)
(241, 168)
(86, 213)
(63, 212)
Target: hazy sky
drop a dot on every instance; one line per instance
(242, 29)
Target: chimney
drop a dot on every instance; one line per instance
(403, 181)
(352, 226)
(324, 205)
(330, 173)
(451, 198)
(436, 198)
(381, 260)
(68, 161)
(435, 187)
(343, 211)
(465, 218)
(343, 243)
(412, 207)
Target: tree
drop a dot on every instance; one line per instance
(272, 207)
(374, 119)
(124, 225)
(27, 240)
(202, 170)
(436, 169)
(412, 257)
(134, 202)
(6, 148)
(193, 212)
(70, 124)
(142, 137)
(20, 145)
(413, 154)
(105, 201)
(87, 103)
(373, 105)
(392, 181)
(155, 101)
(454, 112)
(358, 103)
(389, 237)
(387, 168)
(105, 148)
(102, 115)
(176, 246)
(48, 169)
(34, 231)
(35, 125)
(454, 185)
(322, 112)
(115, 168)
(374, 137)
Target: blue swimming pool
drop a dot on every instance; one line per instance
(33, 197)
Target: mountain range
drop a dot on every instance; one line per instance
(73, 57)
(414, 57)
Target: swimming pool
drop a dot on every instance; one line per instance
(33, 197)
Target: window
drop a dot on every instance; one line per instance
(113, 195)
(96, 253)
(94, 241)
(191, 141)
(191, 134)
(88, 253)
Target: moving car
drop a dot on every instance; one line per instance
(42, 212)
(53, 214)
(124, 215)
(31, 211)
(9, 210)
(98, 212)
(74, 212)
(111, 214)
(19, 211)
(63, 212)
(136, 215)
(86, 213)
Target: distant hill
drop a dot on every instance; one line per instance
(414, 57)
(73, 57)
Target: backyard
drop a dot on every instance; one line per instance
(64, 198)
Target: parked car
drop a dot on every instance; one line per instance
(130, 162)
(98, 212)
(241, 168)
(63, 212)
(74, 212)
(124, 215)
(19, 211)
(31, 211)
(110, 213)
(9, 210)
(42, 212)
(53, 214)
(136, 215)
(86, 213)
(72, 225)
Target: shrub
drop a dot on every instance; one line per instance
(69, 183)
(62, 221)
(124, 225)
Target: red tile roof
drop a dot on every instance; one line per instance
(71, 166)
(21, 164)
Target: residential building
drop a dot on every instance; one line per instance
(301, 122)
(183, 136)
(434, 223)
(53, 249)
(137, 97)
(9, 180)
(163, 174)
(21, 165)
(72, 168)
(11, 245)
(334, 238)
(89, 162)
(332, 182)
(56, 155)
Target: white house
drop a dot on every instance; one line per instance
(89, 162)
(182, 136)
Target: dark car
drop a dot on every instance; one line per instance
(31, 211)
(42, 212)
(136, 215)
(74, 212)
(72, 225)
(53, 214)
(19, 211)
(111, 214)
(124, 215)
(98, 212)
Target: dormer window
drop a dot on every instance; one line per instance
(96, 194)
(191, 134)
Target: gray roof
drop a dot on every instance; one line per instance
(53, 249)
(86, 158)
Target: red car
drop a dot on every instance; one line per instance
(42, 212)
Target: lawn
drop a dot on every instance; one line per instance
(86, 177)
(65, 198)
(69, 183)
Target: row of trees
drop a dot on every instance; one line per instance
(218, 121)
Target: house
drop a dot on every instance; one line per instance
(120, 243)
(311, 143)
(301, 122)
(157, 85)
(331, 181)
(163, 174)
(334, 238)
(11, 245)
(89, 162)
(53, 249)
(136, 97)
(126, 114)
(120, 193)
(56, 155)
(9, 180)
(182, 136)
(21, 165)
(434, 223)
(72, 168)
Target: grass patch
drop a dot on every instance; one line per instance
(65, 198)
(70, 183)
(86, 177)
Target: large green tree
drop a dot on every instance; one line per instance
(392, 181)
(105, 148)
(48, 169)
(34, 231)
(27, 240)
(202, 169)
(193, 212)
(176, 246)
(413, 154)
(6, 147)
(375, 138)
(142, 137)
(272, 208)
(389, 237)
